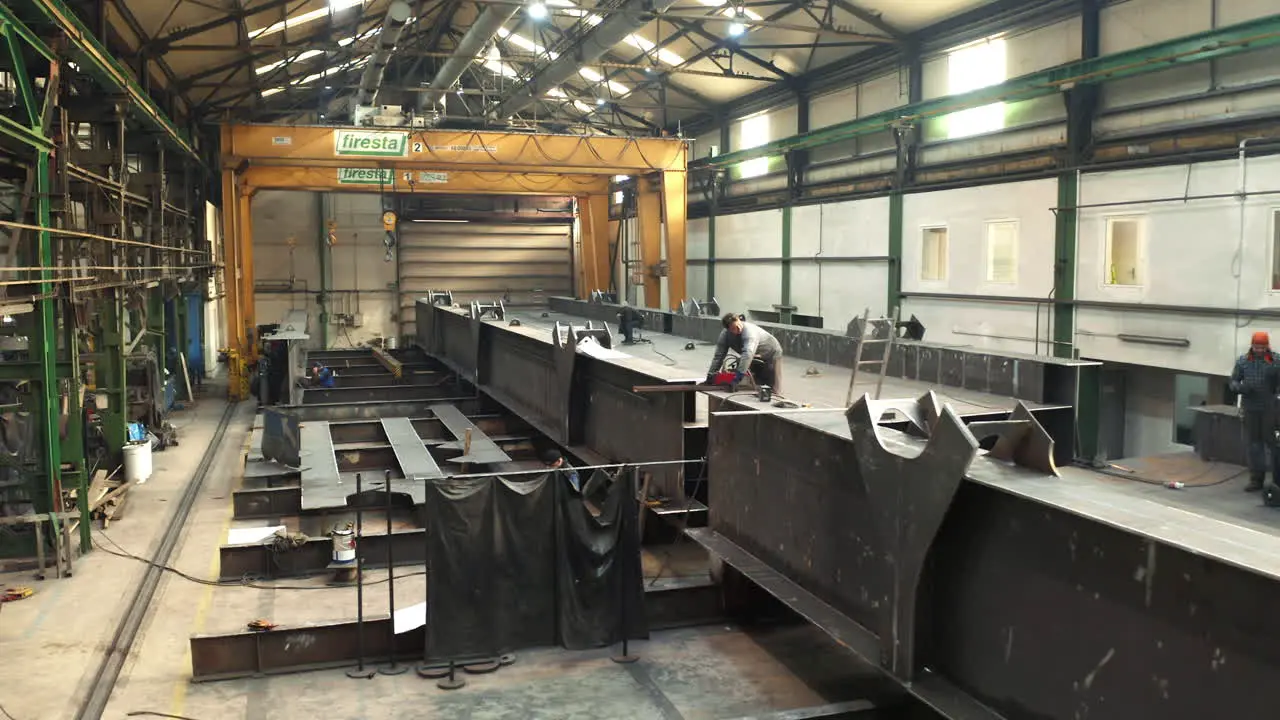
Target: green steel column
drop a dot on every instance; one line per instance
(73, 439)
(322, 249)
(44, 344)
(109, 374)
(786, 261)
(711, 255)
(155, 326)
(1064, 266)
(894, 283)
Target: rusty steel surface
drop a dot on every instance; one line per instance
(1038, 597)
(668, 604)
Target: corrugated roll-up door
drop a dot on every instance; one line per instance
(519, 263)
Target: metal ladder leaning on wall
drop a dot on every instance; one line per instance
(881, 331)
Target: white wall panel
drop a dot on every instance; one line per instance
(1136, 23)
(1247, 69)
(1230, 12)
(278, 216)
(1197, 253)
(703, 143)
(880, 94)
(1149, 413)
(749, 235)
(1188, 112)
(697, 237)
(748, 286)
(965, 213)
(935, 74)
(1044, 47)
(993, 144)
(782, 123)
(696, 281)
(840, 289)
(854, 169)
(833, 108)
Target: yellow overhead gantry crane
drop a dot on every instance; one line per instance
(405, 160)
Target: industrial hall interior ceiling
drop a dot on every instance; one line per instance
(327, 295)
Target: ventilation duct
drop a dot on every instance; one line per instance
(630, 17)
(398, 14)
(471, 46)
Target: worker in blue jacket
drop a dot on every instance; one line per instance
(321, 376)
(1254, 378)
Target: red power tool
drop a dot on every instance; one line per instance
(728, 379)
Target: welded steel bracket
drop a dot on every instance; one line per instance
(1021, 440)
(570, 392)
(494, 310)
(909, 491)
(440, 297)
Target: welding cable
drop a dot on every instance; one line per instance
(152, 713)
(245, 581)
(6, 712)
(684, 525)
(1189, 483)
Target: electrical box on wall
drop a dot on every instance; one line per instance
(357, 320)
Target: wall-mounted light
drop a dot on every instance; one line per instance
(1155, 340)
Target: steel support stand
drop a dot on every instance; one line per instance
(393, 667)
(625, 657)
(360, 671)
(453, 680)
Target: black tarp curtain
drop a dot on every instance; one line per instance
(524, 562)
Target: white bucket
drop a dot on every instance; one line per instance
(137, 462)
(344, 546)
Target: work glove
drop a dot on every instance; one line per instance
(711, 379)
(1235, 386)
(737, 378)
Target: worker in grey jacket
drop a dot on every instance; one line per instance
(757, 350)
(1255, 378)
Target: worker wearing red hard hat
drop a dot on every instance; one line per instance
(1255, 378)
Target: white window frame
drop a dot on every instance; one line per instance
(986, 250)
(1273, 237)
(1107, 221)
(946, 254)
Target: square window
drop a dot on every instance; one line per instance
(755, 132)
(933, 254)
(1002, 251)
(1124, 251)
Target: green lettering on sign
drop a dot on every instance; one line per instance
(366, 176)
(370, 143)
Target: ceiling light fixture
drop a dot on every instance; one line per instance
(599, 101)
(537, 10)
(736, 29)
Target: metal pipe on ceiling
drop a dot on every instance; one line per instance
(398, 14)
(472, 45)
(630, 17)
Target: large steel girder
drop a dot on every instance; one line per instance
(1033, 610)
(585, 403)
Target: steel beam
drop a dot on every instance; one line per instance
(416, 177)
(668, 604)
(94, 59)
(1201, 47)
(385, 393)
(454, 150)
(605, 421)
(1152, 590)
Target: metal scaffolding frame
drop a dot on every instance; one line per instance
(106, 238)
